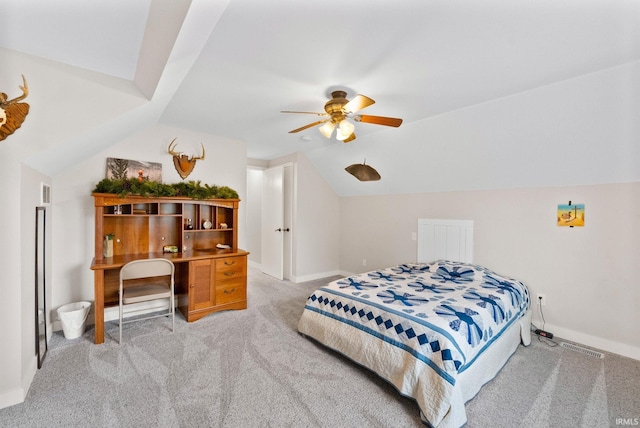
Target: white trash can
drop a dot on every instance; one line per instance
(73, 317)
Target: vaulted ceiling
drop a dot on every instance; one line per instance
(464, 75)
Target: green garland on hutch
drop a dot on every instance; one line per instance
(189, 189)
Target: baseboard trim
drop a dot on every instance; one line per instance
(346, 274)
(112, 313)
(592, 341)
(255, 265)
(313, 277)
(302, 278)
(12, 397)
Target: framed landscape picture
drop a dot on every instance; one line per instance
(571, 215)
(120, 169)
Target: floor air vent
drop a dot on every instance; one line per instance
(585, 351)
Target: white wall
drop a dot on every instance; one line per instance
(253, 212)
(30, 189)
(12, 389)
(18, 290)
(19, 197)
(317, 223)
(589, 274)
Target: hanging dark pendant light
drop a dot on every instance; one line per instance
(363, 172)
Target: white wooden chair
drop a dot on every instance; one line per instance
(147, 280)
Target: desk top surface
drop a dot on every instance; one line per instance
(116, 262)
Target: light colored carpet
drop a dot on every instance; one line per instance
(252, 369)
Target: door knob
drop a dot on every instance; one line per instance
(279, 229)
(287, 229)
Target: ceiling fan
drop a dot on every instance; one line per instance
(339, 109)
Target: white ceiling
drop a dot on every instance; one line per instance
(418, 59)
(103, 36)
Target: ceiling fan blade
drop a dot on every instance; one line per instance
(357, 103)
(308, 126)
(378, 120)
(350, 138)
(304, 112)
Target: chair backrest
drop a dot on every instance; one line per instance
(146, 268)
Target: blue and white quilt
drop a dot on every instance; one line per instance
(438, 318)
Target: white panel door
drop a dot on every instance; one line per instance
(288, 203)
(272, 222)
(446, 240)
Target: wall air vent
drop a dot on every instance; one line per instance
(45, 194)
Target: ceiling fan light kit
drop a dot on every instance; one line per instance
(327, 129)
(345, 130)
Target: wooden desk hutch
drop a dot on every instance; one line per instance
(207, 278)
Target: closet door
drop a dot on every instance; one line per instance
(288, 222)
(273, 222)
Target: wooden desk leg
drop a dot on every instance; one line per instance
(98, 291)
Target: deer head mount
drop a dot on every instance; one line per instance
(184, 163)
(13, 112)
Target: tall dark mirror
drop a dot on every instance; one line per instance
(41, 285)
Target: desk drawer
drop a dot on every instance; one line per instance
(231, 267)
(232, 290)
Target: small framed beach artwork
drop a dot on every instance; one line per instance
(571, 215)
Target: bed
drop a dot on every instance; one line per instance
(437, 331)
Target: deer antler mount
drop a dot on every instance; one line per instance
(184, 163)
(13, 112)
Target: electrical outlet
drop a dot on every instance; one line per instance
(542, 299)
(364, 262)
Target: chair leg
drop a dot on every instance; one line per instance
(173, 315)
(120, 323)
